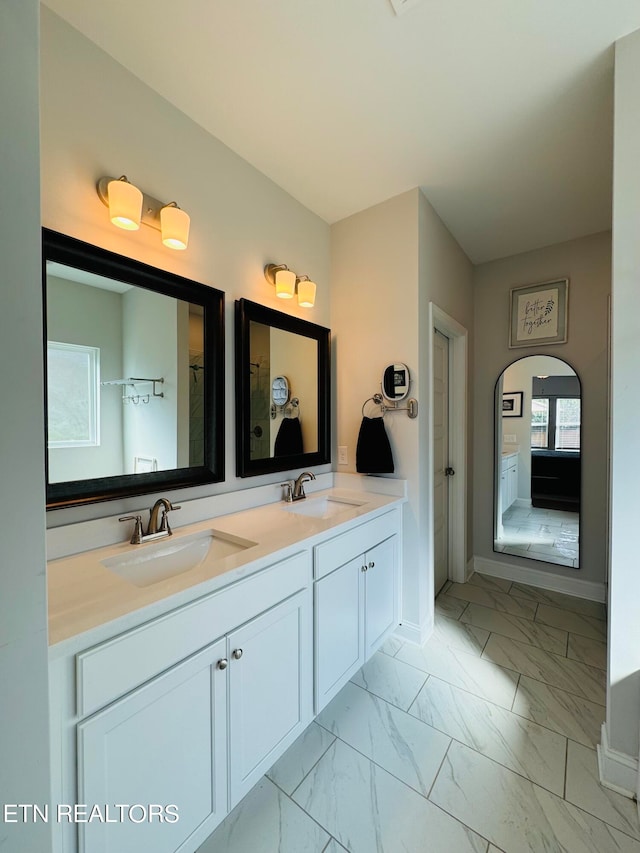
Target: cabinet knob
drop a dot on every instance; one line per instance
(363, 568)
(223, 664)
(237, 653)
(371, 564)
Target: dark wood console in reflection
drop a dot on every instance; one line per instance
(555, 480)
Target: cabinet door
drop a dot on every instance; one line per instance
(339, 629)
(163, 744)
(270, 688)
(380, 602)
(513, 484)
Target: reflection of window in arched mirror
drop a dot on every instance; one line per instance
(538, 461)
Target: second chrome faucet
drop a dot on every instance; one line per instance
(158, 526)
(294, 489)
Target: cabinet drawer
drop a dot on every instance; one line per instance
(339, 550)
(509, 462)
(111, 669)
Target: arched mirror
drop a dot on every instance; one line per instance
(538, 461)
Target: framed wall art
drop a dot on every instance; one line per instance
(539, 314)
(512, 404)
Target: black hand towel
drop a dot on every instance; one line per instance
(289, 438)
(373, 451)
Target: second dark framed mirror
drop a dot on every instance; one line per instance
(282, 391)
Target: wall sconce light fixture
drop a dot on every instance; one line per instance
(129, 206)
(287, 284)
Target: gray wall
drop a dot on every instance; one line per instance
(587, 264)
(24, 748)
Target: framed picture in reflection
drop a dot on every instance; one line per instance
(512, 404)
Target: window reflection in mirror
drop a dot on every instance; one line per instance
(538, 461)
(134, 358)
(101, 333)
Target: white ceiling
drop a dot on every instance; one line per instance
(501, 110)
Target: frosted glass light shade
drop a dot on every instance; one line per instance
(306, 293)
(285, 284)
(125, 205)
(174, 224)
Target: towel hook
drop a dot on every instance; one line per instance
(376, 400)
(411, 408)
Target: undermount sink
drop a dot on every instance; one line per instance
(148, 564)
(324, 507)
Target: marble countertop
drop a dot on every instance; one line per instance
(84, 594)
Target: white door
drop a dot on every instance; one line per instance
(339, 647)
(380, 588)
(440, 458)
(163, 744)
(270, 688)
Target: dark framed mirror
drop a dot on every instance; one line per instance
(538, 466)
(134, 366)
(282, 391)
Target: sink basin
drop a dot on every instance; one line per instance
(324, 507)
(148, 564)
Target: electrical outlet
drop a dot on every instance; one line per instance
(509, 439)
(342, 456)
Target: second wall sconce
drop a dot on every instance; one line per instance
(287, 284)
(129, 206)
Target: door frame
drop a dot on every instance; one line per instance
(458, 380)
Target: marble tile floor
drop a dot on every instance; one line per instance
(482, 740)
(543, 534)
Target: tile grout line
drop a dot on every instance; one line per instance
(555, 730)
(605, 822)
(435, 778)
(495, 760)
(539, 625)
(324, 752)
(451, 739)
(385, 770)
(514, 701)
(497, 609)
(597, 670)
(537, 785)
(302, 808)
(408, 711)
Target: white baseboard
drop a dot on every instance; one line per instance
(544, 580)
(416, 634)
(618, 771)
(469, 570)
(522, 503)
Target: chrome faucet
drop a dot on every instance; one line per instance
(298, 486)
(154, 530)
(166, 506)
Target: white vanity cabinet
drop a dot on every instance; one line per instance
(164, 744)
(190, 708)
(355, 600)
(143, 730)
(508, 481)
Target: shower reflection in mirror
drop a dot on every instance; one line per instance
(538, 461)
